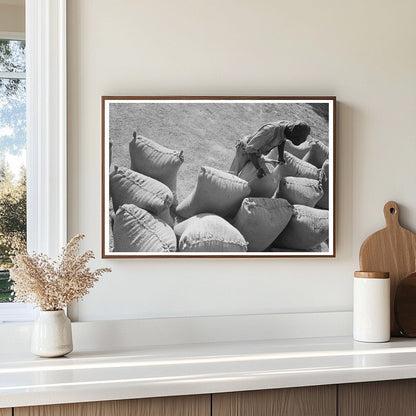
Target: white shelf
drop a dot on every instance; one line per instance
(150, 371)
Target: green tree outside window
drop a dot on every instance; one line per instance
(12, 157)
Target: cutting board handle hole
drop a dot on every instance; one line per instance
(391, 214)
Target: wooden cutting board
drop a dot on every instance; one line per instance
(393, 250)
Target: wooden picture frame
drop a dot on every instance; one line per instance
(174, 166)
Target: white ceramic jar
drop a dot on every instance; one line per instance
(52, 334)
(371, 310)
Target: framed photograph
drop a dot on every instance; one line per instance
(218, 176)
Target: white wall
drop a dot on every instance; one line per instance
(361, 51)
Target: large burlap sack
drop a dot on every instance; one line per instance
(111, 209)
(261, 220)
(320, 248)
(298, 151)
(180, 227)
(111, 217)
(324, 201)
(294, 166)
(318, 153)
(266, 186)
(307, 228)
(300, 191)
(216, 192)
(130, 187)
(166, 215)
(136, 230)
(110, 234)
(156, 161)
(209, 233)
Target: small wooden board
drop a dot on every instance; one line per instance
(393, 250)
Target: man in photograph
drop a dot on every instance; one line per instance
(266, 138)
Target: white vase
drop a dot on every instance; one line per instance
(52, 334)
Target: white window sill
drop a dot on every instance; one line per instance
(16, 313)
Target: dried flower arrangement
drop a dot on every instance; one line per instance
(53, 285)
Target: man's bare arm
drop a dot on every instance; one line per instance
(281, 151)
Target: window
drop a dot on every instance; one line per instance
(45, 133)
(12, 164)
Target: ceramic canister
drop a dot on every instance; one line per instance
(371, 322)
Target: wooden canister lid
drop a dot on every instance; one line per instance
(372, 275)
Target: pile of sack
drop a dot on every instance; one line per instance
(286, 210)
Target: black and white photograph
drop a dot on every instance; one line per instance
(218, 176)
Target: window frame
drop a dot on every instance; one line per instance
(46, 138)
(46, 125)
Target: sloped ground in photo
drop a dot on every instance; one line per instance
(207, 133)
